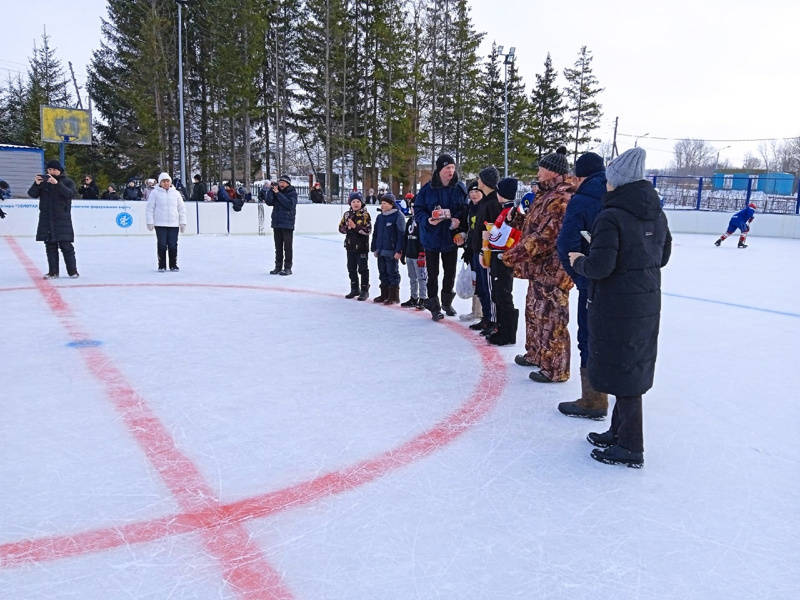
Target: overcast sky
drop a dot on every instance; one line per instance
(709, 69)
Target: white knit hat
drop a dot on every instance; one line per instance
(164, 176)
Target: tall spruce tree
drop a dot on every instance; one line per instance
(550, 128)
(486, 131)
(585, 112)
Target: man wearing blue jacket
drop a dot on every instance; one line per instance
(582, 210)
(282, 197)
(435, 210)
(741, 221)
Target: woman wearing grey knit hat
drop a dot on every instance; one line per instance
(631, 242)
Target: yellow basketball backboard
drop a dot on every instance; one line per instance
(70, 125)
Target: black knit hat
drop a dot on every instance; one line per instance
(556, 162)
(489, 176)
(473, 186)
(389, 197)
(443, 161)
(588, 164)
(285, 178)
(54, 164)
(507, 188)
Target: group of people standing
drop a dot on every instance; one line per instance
(601, 230)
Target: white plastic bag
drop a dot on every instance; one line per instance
(465, 282)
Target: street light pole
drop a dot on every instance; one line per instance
(716, 162)
(181, 4)
(509, 59)
(636, 143)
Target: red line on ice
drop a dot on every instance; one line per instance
(244, 567)
(211, 517)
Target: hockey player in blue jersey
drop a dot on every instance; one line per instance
(741, 221)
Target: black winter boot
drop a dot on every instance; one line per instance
(447, 303)
(394, 295)
(420, 305)
(276, 270)
(602, 440)
(506, 329)
(432, 304)
(480, 325)
(353, 291)
(410, 303)
(364, 295)
(617, 455)
(383, 295)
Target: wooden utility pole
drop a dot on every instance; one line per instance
(75, 83)
(614, 151)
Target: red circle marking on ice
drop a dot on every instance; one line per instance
(224, 537)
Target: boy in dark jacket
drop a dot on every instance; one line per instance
(741, 221)
(414, 259)
(582, 211)
(387, 246)
(356, 225)
(631, 242)
(282, 197)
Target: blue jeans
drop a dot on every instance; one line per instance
(167, 239)
(389, 270)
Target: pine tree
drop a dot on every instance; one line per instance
(550, 128)
(520, 146)
(486, 132)
(585, 111)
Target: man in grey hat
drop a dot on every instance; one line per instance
(55, 192)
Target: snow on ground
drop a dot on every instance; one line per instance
(224, 433)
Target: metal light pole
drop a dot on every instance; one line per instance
(509, 59)
(636, 143)
(716, 162)
(181, 4)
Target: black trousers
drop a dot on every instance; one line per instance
(283, 247)
(502, 284)
(358, 264)
(626, 423)
(167, 240)
(449, 262)
(68, 250)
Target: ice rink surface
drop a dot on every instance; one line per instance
(224, 433)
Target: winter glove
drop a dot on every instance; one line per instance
(421, 260)
(183, 227)
(403, 259)
(2, 214)
(150, 227)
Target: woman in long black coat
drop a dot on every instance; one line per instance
(55, 192)
(631, 242)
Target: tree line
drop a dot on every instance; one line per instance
(363, 90)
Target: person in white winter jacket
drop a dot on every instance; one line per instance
(166, 213)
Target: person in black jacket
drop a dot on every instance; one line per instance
(89, 189)
(131, 191)
(199, 189)
(282, 197)
(110, 193)
(414, 259)
(488, 210)
(581, 213)
(55, 192)
(631, 242)
(316, 194)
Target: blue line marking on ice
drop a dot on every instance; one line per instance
(85, 344)
(744, 306)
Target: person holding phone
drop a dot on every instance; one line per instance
(55, 192)
(89, 189)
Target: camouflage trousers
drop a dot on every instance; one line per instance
(547, 342)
